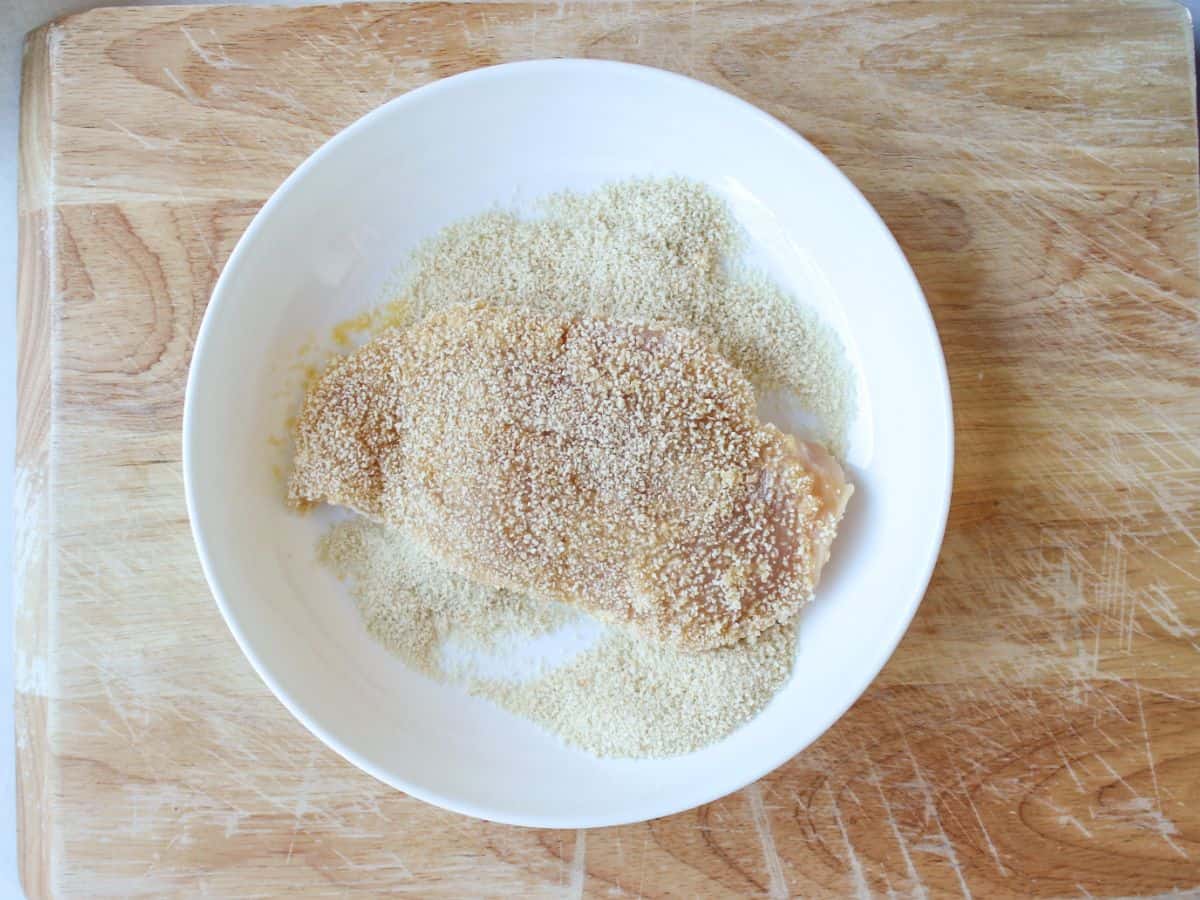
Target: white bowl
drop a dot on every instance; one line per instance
(323, 248)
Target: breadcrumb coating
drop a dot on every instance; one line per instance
(612, 464)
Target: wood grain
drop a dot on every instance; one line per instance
(1037, 732)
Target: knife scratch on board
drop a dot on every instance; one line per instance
(776, 882)
(858, 880)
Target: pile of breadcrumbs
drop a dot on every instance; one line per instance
(652, 250)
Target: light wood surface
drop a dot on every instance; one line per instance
(1038, 730)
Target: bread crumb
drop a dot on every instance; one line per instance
(621, 697)
(658, 251)
(414, 605)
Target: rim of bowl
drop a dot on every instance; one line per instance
(228, 274)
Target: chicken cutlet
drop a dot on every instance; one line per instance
(615, 465)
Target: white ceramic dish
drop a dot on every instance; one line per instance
(323, 247)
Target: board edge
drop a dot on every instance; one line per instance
(31, 496)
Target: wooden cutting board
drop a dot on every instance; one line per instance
(1038, 730)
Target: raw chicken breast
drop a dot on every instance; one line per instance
(614, 465)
